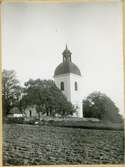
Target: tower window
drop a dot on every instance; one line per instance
(30, 112)
(62, 85)
(76, 86)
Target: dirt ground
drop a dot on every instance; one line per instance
(39, 145)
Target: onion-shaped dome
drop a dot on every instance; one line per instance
(67, 66)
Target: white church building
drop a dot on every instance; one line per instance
(68, 78)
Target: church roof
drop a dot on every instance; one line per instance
(67, 66)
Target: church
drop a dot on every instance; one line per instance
(68, 78)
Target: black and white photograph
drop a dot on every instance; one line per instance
(62, 83)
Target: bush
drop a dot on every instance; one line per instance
(98, 105)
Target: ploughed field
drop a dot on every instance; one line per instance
(38, 145)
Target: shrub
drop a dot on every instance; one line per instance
(98, 105)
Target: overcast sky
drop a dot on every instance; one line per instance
(34, 36)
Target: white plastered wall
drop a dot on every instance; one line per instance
(75, 97)
(66, 79)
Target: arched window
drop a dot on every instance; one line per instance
(76, 86)
(30, 112)
(62, 85)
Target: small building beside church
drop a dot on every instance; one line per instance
(68, 78)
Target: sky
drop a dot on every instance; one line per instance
(34, 35)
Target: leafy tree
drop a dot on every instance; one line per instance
(11, 90)
(47, 98)
(100, 106)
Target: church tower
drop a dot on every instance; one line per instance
(68, 78)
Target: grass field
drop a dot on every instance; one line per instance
(38, 145)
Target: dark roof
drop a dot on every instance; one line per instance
(67, 67)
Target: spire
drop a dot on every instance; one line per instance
(66, 54)
(66, 47)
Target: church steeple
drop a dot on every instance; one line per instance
(66, 54)
(68, 79)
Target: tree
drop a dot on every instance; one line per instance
(100, 106)
(11, 90)
(47, 98)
